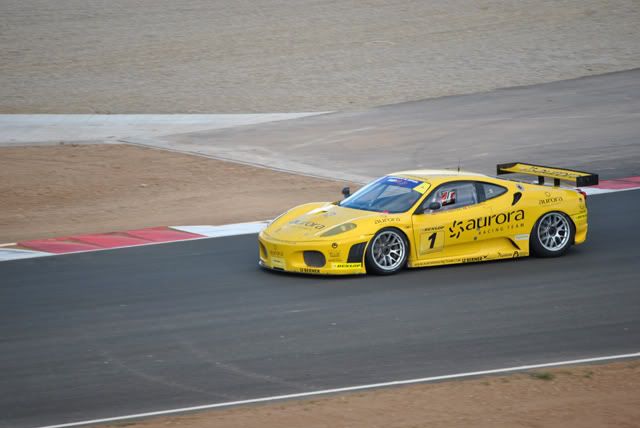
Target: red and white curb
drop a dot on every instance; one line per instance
(130, 238)
(165, 234)
(617, 185)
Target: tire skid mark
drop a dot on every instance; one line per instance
(204, 356)
(153, 378)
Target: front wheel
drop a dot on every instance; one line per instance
(552, 235)
(387, 252)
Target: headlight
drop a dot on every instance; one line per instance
(345, 227)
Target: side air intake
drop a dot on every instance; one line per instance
(356, 252)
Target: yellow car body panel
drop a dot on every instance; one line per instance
(496, 228)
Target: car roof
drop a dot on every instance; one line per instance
(437, 174)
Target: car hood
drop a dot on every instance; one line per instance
(312, 224)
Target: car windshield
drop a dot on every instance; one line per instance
(387, 194)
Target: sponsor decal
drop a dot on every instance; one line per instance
(423, 263)
(276, 253)
(474, 259)
(421, 188)
(580, 218)
(550, 200)
(311, 224)
(522, 237)
(432, 229)
(501, 228)
(309, 270)
(549, 172)
(516, 254)
(408, 183)
(450, 261)
(334, 254)
(334, 245)
(346, 265)
(447, 197)
(387, 220)
(486, 222)
(457, 229)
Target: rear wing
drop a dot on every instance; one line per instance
(578, 178)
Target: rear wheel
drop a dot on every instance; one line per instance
(387, 252)
(552, 235)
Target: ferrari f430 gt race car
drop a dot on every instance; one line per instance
(431, 217)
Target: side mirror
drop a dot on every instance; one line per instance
(346, 192)
(434, 206)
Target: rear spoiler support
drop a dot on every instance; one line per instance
(577, 178)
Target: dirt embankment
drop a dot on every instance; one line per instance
(49, 191)
(215, 56)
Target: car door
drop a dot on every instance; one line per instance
(505, 231)
(450, 230)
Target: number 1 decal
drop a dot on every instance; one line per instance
(432, 238)
(431, 242)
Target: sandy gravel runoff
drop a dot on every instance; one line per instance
(222, 56)
(50, 191)
(580, 397)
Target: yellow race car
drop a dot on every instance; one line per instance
(428, 218)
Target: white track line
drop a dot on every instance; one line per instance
(345, 389)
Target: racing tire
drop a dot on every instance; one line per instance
(552, 235)
(387, 252)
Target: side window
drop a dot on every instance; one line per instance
(491, 190)
(453, 195)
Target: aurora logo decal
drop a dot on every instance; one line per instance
(458, 227)
(312, 224)
(387, 220)
(550, 200)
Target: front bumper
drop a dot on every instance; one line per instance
(340, 258)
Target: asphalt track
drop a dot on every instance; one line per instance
(111, 333)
